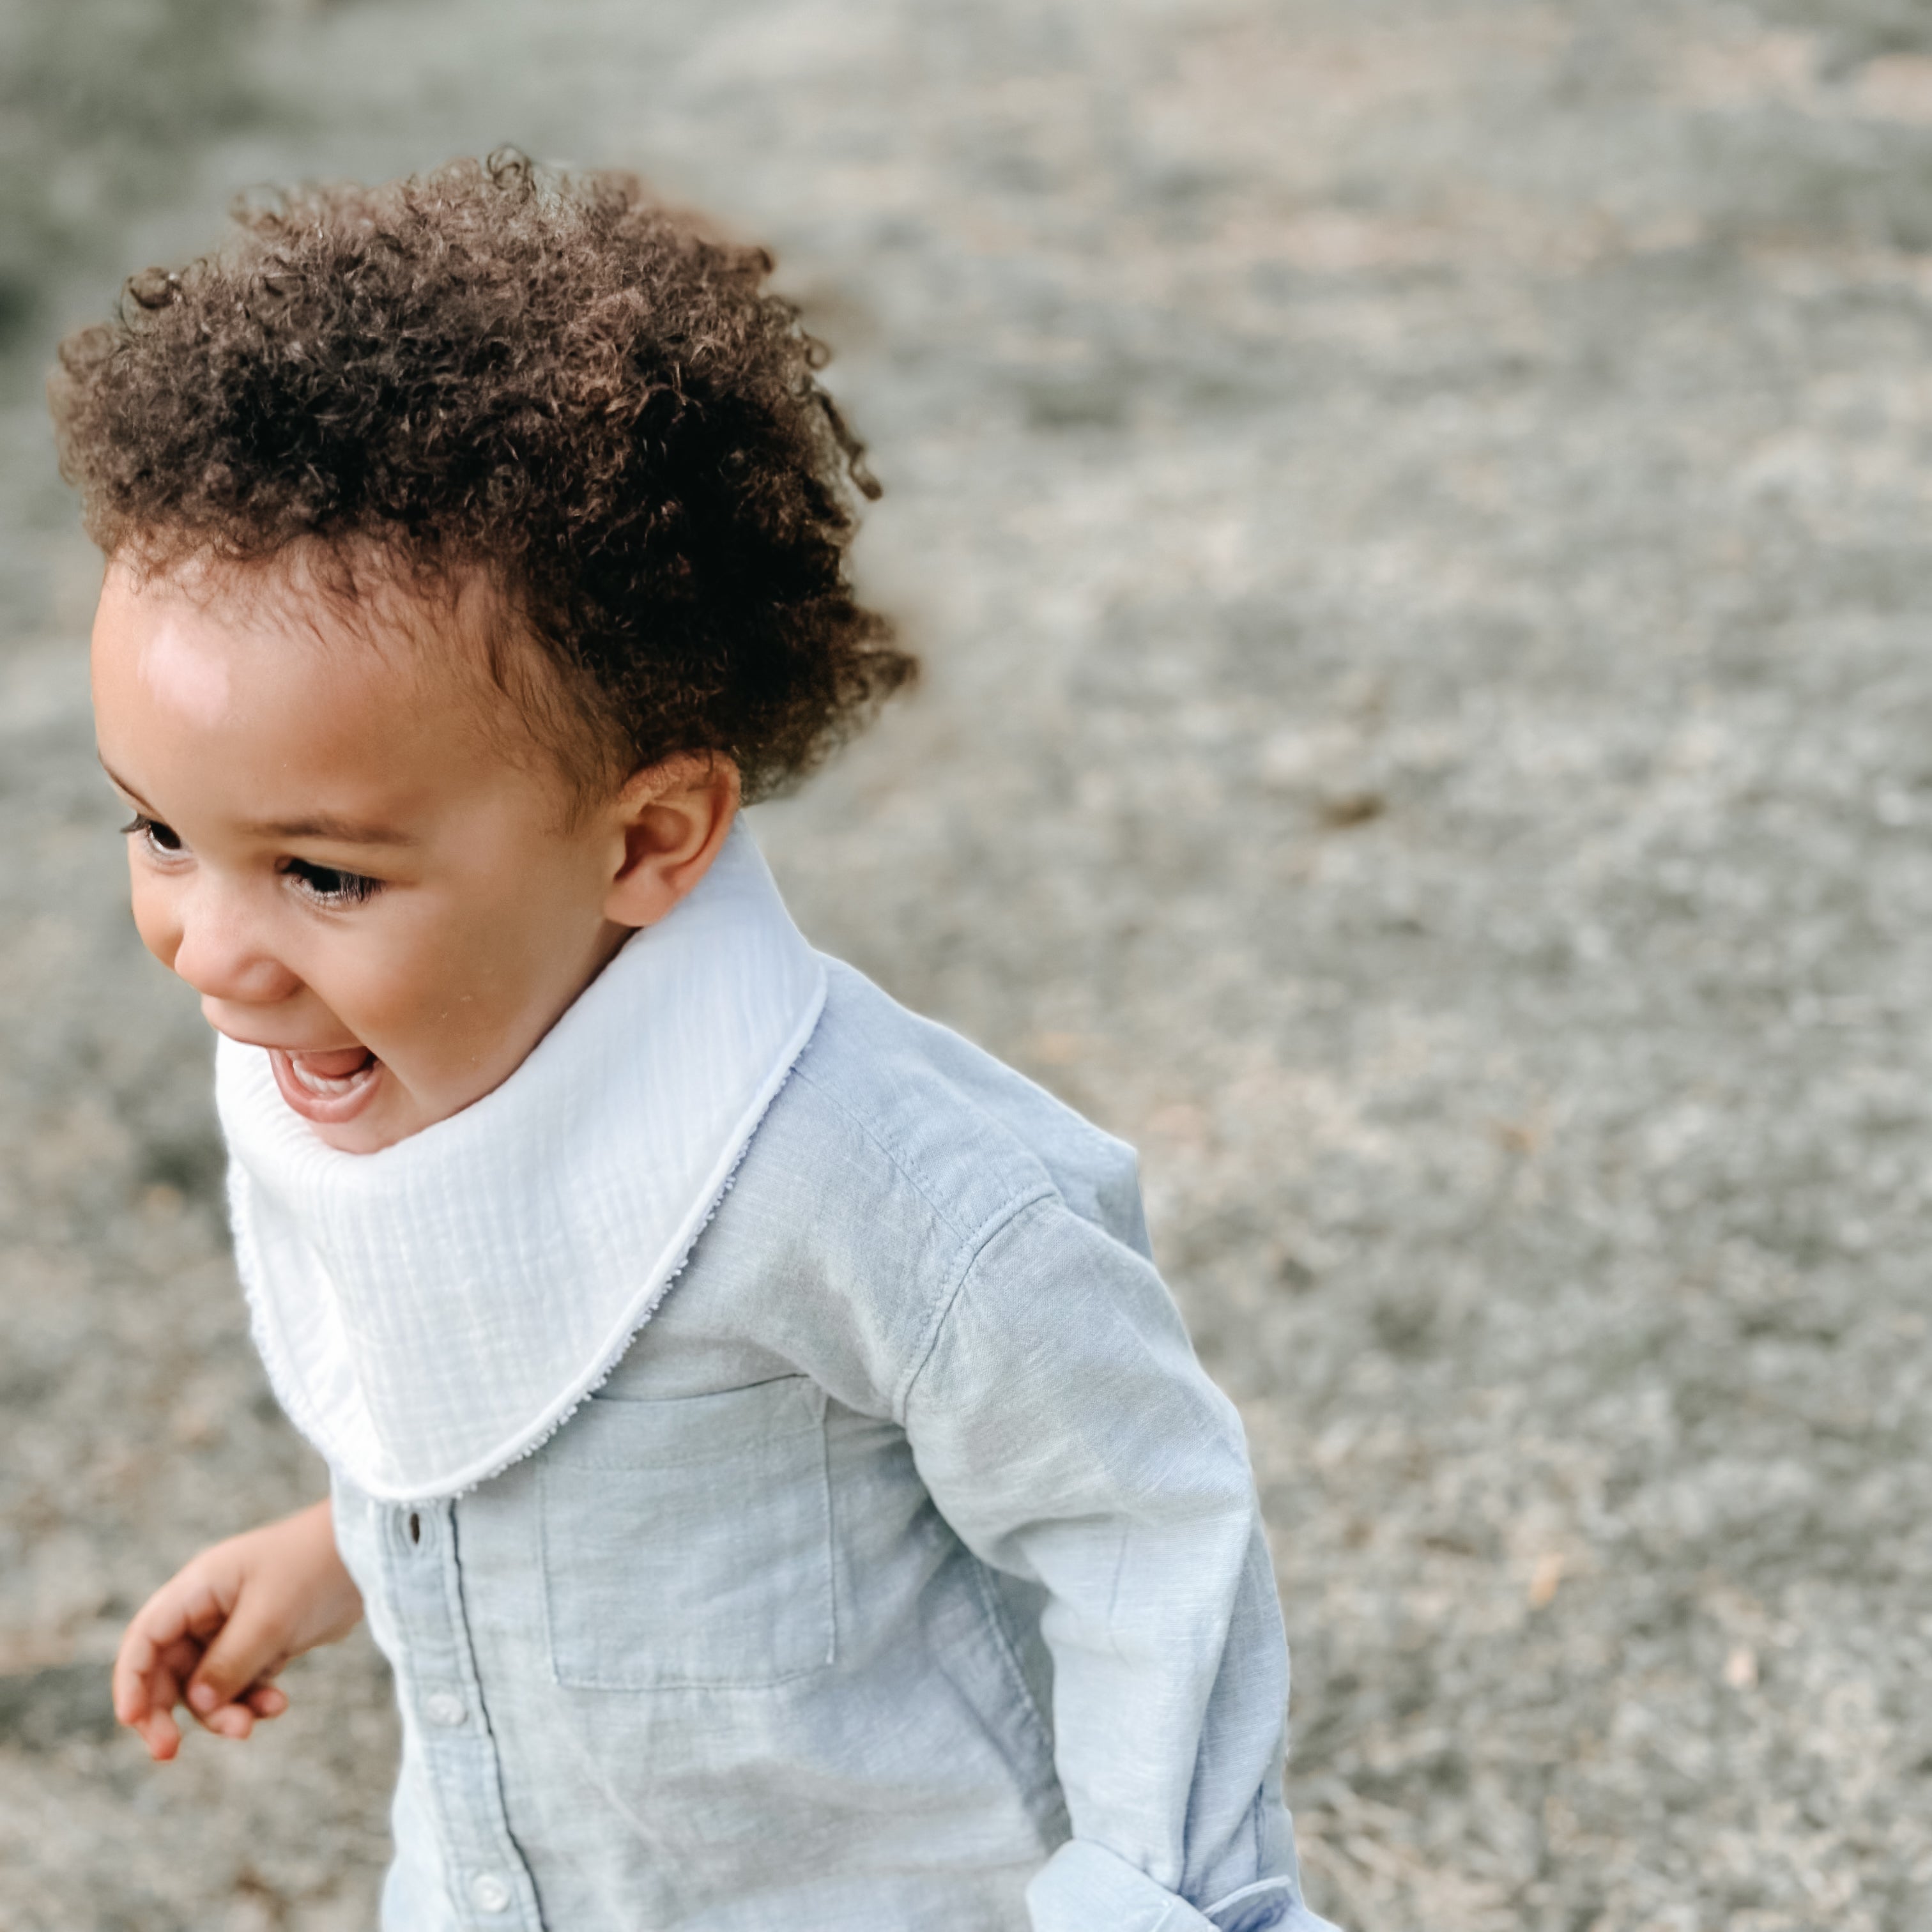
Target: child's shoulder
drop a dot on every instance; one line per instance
(894, 1158)
(902, 1115)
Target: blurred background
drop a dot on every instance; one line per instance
(1415, 511)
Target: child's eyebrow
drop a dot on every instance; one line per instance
(337, 831)
(320, 825)
(121, 785)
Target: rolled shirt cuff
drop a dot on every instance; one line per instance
(1085, 1888)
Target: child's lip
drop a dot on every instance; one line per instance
(327, 1087)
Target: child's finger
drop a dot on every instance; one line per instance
(134, 1663)
(250, 1647)
(232, 1720)
(152, 1716)
(178, 1660)
(148, 1675)
(161, 1735)
(185, 1608)
(266, 1700)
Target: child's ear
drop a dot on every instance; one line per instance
(672, 819)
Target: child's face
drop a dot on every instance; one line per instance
(331, 846)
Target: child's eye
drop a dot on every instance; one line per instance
(328, 885)
(163, 841)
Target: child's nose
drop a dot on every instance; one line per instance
(221, 954)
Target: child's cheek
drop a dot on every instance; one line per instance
(156, 918)
(413, 1004)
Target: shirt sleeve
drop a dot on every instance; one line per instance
(1066, 1432)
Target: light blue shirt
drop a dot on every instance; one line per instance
(906, 1576)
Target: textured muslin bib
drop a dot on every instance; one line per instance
(431, 1312)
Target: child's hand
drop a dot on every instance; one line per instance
(216, 1633)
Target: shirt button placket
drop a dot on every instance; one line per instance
(459, 1757)
(444, 1708)
(489, 1893)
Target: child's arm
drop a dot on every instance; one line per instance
(218, 1631)
(1068, 1434)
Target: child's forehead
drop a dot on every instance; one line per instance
(280, 652)
(309, 627)
(355, 599)
(335, 634)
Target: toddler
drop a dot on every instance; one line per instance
(757, 1435)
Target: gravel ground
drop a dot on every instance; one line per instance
(1415, 514)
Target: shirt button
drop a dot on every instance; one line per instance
(446, 1707)
(489, 1892)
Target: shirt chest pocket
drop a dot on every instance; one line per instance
(687, 1544)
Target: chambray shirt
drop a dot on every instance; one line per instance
(906, 1576)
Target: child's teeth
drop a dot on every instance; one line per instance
(324, 1083)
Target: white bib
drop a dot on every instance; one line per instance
(429, 1313)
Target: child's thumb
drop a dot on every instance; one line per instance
(246, 1647)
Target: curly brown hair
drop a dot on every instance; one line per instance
(547, 374)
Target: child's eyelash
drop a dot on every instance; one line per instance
(329, 885)
(160, 839)
(326, 885)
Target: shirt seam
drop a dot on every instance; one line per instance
(1003, 1642)
(967, 1257)
(922, 1187)
(972, 1241)
(457, 1599)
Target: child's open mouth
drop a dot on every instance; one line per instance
(326, 1087)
